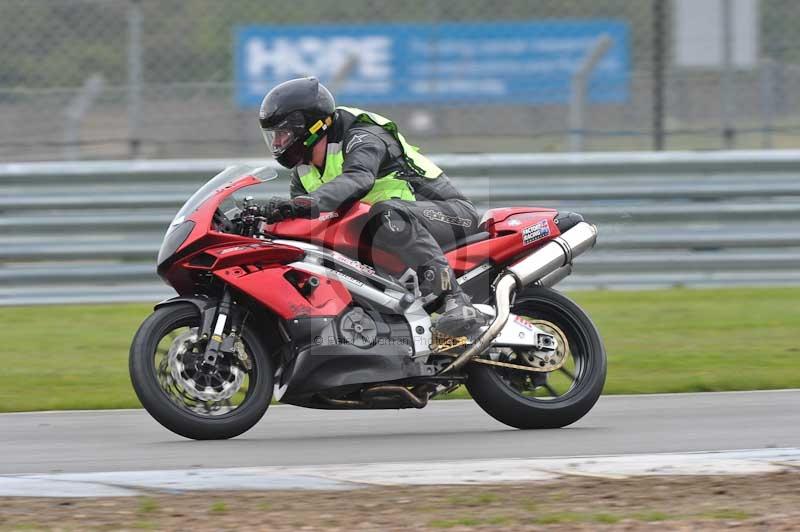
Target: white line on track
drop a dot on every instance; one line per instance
(353, 476)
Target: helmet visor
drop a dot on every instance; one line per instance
(280, 137)
(278, 140)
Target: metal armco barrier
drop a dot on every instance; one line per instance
(89, 231)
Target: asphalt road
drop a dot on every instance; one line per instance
(130, 440)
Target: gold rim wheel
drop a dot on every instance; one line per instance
(552, 361)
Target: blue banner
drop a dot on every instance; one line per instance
(524, 62)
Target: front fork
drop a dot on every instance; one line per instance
(215, 320)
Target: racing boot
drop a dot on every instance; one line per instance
(459, 318)
(457, 315)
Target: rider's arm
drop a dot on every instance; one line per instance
(364, 153)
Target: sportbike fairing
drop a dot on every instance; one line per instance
(296, 307)
(511, 232)
(181, 227)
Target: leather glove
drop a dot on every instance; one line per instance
(278, 208)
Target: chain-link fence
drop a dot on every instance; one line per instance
(145, 78)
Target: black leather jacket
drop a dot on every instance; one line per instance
(369, 152)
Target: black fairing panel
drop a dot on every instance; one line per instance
(202, 303)
(567, 220)
(324, 367)
(303, 331)
(479, 288)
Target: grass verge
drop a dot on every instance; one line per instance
(75, 357)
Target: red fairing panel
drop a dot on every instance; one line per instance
(340, 231)
(240, 251)
(335, 230)
(271, 288)
(253, 253)
(203, 215)
(495, 249)
(520, 222)
(515, 232)
(495, 216)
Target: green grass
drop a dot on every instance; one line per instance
(558, 518)
(450, 523)
(67, 357)
(571, 517)
(480, 499)
(651, 516)
(218, 507)
(726, 514)
(698, 340)
(147, 505)
(75, 357)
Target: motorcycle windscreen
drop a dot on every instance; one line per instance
(221, 180)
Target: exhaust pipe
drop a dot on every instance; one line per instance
(376, 391)
(502, 293)
(552, 279)
(555, 254)
(546, 267)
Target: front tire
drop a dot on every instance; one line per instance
(165, 398)
(528, 401)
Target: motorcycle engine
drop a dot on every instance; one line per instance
(357, 328)
(365, 328)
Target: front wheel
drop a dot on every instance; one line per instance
(542, 400)
(187, 396)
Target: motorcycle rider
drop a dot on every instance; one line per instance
(339, 155)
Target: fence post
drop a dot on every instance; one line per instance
(767, 97)
(76, 110)
(134, 77)
(578, 90)
(659, 29)
(726, 90)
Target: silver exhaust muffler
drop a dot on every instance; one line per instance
(556, 254)
(546, 266)
(552, 279)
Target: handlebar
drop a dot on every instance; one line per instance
(253, 214)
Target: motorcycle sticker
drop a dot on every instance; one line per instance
(240, 248)
(324, 217)
(344, 277)
(523, 322)
(535, 232)
(438, 216)
(360, 266)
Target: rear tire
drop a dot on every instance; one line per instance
(181, 420)
(495, 395)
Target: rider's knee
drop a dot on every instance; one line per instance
(391, 222)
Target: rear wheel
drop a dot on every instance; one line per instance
(189, 397)
(538, 400)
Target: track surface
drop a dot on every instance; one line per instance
(131, 440)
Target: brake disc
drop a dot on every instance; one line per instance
(186, 374)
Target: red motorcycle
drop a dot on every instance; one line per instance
(305, 312)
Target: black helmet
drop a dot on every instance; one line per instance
(293, 117)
